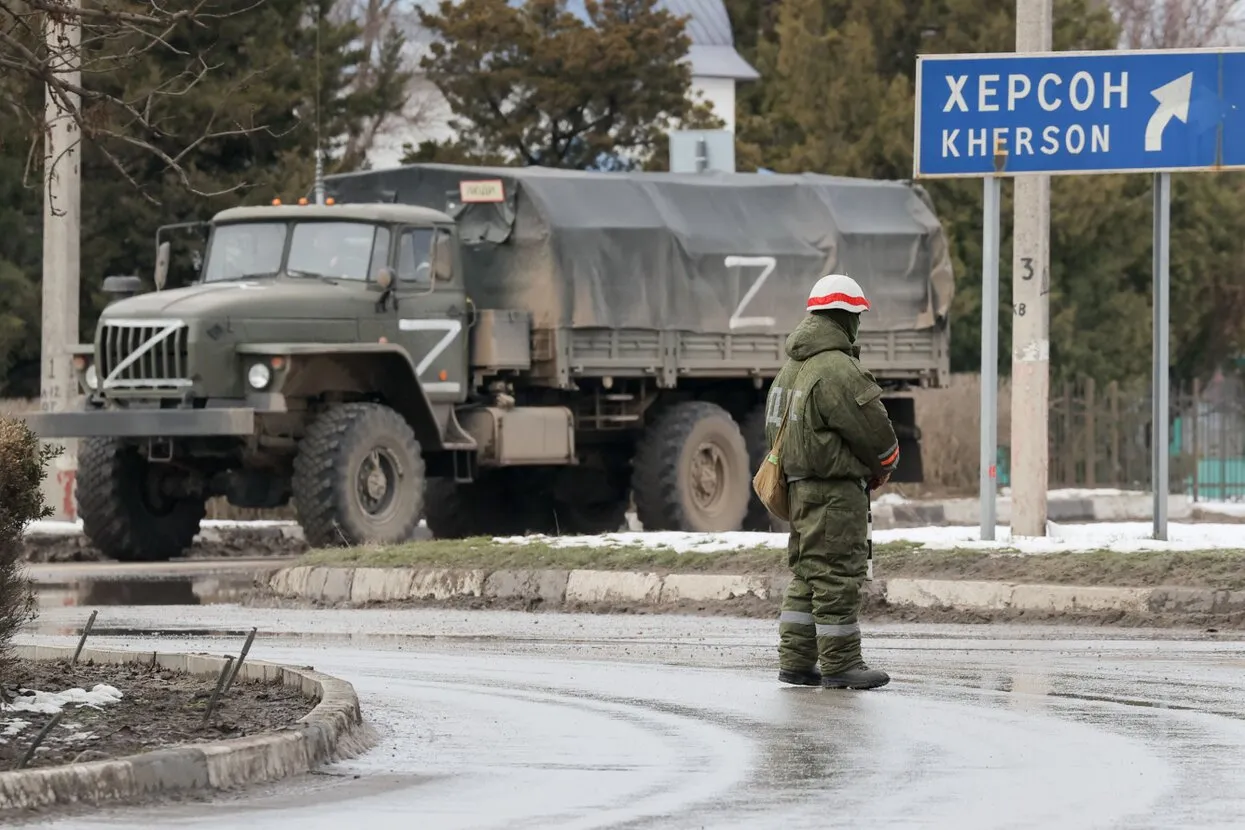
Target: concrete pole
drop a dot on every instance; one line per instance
(1030, 314)
(61, 232)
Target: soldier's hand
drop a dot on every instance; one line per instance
(878, 481)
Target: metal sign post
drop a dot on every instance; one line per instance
(1083, 113)
(1162, 353)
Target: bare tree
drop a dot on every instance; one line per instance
(1178, 24)
(114, 35)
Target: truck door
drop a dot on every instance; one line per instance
(432, 318)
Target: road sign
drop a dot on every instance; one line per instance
(1079, 112)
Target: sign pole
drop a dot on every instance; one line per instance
(1031, 314)
(989, 354)
(1159, 390)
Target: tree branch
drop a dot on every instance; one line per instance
(110, 41)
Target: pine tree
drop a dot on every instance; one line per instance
(535, 84)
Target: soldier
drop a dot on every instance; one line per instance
(839, 445)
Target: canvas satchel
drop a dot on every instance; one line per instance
(770, 481)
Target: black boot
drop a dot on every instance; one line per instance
(800, 677)
(859, 676)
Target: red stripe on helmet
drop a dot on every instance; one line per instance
(826, 299)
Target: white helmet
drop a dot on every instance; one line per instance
(837, 291)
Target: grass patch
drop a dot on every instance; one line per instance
(1206, 569)
(1221, 569)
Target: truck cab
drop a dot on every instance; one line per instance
(210, 389)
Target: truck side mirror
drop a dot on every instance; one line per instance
(162, 265)
(443, 258)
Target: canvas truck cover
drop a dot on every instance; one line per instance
(651, 250)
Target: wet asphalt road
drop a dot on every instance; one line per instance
(500, 719)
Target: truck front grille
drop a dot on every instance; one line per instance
(143, 354)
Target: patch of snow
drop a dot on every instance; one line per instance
(1221, 508)
(665, 539)
(14, 727)
(53, 527)
(1080, 493)
(49, 703)
(891, 498)
(1114, 536)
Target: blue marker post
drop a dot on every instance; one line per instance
(1084, 113)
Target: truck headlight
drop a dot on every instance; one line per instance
(259, 376)
(92, 378)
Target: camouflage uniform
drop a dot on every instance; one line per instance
(838, 438)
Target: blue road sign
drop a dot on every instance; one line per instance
(1079, 112)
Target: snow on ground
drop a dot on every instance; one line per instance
(1115, 536)
(49, 703)
(52, 527)
(1235, 509)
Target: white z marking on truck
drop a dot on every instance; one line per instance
(767, 264)
(451, 329)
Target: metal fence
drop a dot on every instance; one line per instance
(1100, 437)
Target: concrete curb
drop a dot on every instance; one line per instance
(560, 588)
(333, 729)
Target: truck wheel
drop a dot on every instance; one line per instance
(456, 510)
(758, 517)
(126, 514)
(358, 478)
(691, 471)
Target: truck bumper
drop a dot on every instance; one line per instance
(143, 423)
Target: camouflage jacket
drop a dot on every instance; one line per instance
(837, 427)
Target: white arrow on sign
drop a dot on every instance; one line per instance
(1173, 101)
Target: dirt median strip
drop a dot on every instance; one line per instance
(333, 729)
(1216, 569)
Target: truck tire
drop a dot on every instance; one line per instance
(123, 515)
(758, 519)
(456, 510)
(691, 471)
(358, 478)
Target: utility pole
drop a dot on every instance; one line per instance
(1030, 313)
(61, 231)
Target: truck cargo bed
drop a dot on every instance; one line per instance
(559, 355)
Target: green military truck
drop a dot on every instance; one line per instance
(497, 351)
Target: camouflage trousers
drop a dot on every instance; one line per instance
(827, 552)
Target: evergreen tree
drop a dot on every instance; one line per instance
(535, 84)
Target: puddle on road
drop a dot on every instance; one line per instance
(212, 590)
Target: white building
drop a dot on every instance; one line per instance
(716, 69)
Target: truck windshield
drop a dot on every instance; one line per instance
(339, 250)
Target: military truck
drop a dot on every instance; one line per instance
(498, 351)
